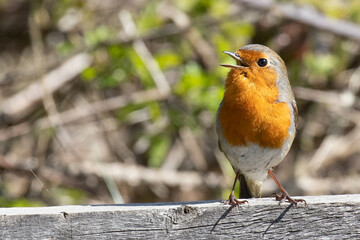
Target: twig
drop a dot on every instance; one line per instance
(335, 147)
(307, 16)
(53, 176)
(175, 157)
(136, 175)
(109, 180)
(107, 124)
(47, 95)
(344, 99)
(114, 191)
(354, 81)
(42, 184)
(347, 113)
(20, 104)
(129, 30)
(183, 21)
(81, 112)
(193, 148)
(330, 185)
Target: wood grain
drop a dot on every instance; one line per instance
(325, 217)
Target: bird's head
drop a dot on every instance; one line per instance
(260, 68)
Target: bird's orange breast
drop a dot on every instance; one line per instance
(250, 114)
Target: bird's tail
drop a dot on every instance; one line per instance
(244, 190)
(249, 188)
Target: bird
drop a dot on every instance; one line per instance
(256, 120)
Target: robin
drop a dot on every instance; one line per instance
(256, 119)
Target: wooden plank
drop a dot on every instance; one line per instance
(325, 217)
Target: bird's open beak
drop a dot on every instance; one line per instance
(240, 62)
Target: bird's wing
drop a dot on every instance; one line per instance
(220, 146)
(295, 109)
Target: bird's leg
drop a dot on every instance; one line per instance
(232, 199)
(284, 196)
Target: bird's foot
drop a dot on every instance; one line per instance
(285, 197)
(233, 201)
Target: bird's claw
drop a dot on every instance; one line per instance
(233, 201)
(285, 197)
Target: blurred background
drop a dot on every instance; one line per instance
(107, 101)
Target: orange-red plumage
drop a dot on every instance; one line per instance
(250, 113)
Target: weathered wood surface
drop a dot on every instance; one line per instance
(325, 217)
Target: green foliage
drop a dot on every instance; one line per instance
(168, 59)
(237, 29)
(218, 9)
(192, 80)
(68, 195)
(98, 35)
(20, 202)
(160, 145)
(321, 64)
(148, 18)
(61, 7)
(354, 11)
(124, 113)
(139, 69)
(198, 88)
(348, 10)
(65, 48)
(116, 51)
(88, 74)
(123, 66)
(154, 110)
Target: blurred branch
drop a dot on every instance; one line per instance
(154, 33)
(175, 157)
(129, 30)
(344, 99)
(19, 105)
(184, 22)
(132, 174)
(83, 112)
(190, 143)
(354, 81)
(335, 147)
(46, 92)
(107, 123)
(51, 175)
(316, 186)
(307, 16)
(343, 104)
(170, 29)
(135, 175)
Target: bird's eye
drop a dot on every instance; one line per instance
(262, 62)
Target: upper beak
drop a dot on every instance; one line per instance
(240, 62)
